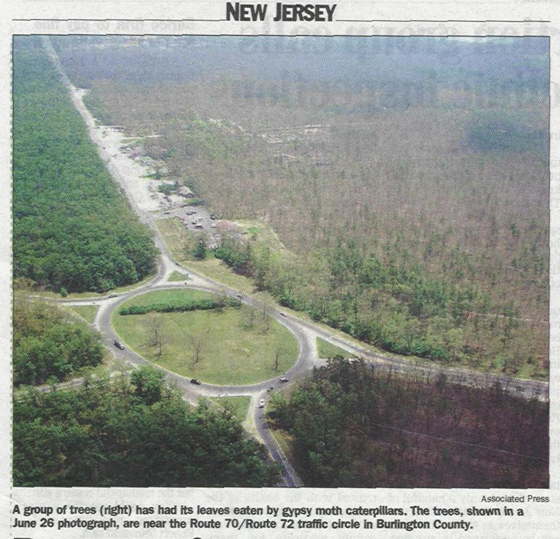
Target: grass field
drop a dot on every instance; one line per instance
(162, 296)
(238, 406)
(87, 312)
(95, 295)
(327, 350)
(234, 347)
(174, 235)
(262, 233)
(176, 276)
(100, 371)
(285, 441)
(219, 271)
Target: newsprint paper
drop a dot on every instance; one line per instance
(278, 269)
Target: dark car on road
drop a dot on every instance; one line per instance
(284, 379)
(119, 344)
(195, 381)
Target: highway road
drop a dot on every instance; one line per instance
(306, 332)
(307, 357)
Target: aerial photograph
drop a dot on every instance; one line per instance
(310, 262)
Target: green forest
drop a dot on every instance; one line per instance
(137, 434)
(49, 344)
(408, 184)
(394, 189)
(351, 425)
(73, 229)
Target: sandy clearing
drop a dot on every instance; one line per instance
(129, 173)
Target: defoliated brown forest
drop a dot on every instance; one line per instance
(406, 177)
(350, 425)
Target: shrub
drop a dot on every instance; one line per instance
(188, 305)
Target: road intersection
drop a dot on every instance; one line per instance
(305, 331)
(306, 334)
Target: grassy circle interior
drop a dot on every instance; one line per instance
(238, 348)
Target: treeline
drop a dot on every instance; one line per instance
(131, 435)
(500, 131)
(400, 307)
(352, 425)
(415, 220)
(72, 227)
(48, 344)
(180, 306)
(456, 272)
(354, 64)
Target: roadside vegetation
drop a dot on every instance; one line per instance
(182, 245)
(23, 285)
(49, 344)
(431, 246)
(236, 406)
(73, 230)
(217, 340)
(180, 306)
(395, 189)
(177, 276)
(133, 433)
(326, 350)
(169, 297)
(351, 425)
(87, 312)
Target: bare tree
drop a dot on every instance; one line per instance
(156, 332)
(199, 342)
(221, 302)
(249, 321)
(279, 352)
(265, 318)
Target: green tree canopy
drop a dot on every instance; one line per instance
(98, 436)
(73, 230)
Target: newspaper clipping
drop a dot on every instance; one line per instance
(279, 269)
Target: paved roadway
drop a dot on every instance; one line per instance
(306, 360)
(306, 332)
